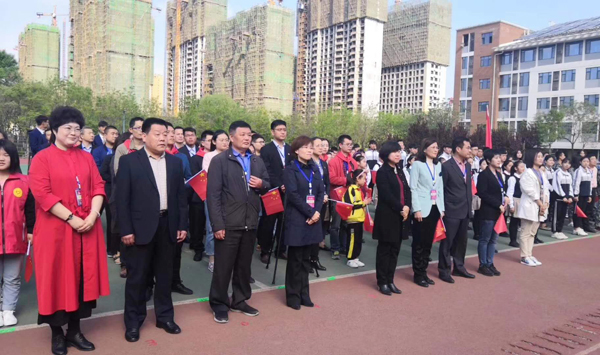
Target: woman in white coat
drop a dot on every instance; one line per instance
(535, 199)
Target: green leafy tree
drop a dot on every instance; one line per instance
(551, 126)
(9, 69)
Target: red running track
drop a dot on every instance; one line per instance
(518, 311)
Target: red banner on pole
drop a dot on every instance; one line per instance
(488, 129)
(272, 202)
(369, 224)
(28, 264)
(199, 183)
(338, 193)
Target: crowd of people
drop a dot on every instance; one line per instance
(140, 180)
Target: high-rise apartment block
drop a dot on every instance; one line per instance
(250, 58)
(416, 55)
(187, 25)
(342, 54)
(39, 53)
(475, 83)
(112, 46)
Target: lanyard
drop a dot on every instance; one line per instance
(306, 177)
(431, 173)
(78, 183)
(321, 168)
(500, 182)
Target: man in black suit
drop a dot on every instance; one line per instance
(37, 136)
(458, 197)
(152, 208)
(276, 156)
(191, 147)
(100, 138)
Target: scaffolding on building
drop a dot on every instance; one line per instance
(39, 53)
(301, 32)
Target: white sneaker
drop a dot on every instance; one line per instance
(563, 236)
(359, 263)
(528, 262)
(580, 232)
(352, 264)
(9, 318)
(536, 261)
(556, 235)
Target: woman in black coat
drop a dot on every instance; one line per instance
(391, 214)
(304, 193)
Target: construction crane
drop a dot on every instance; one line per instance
(54, 16)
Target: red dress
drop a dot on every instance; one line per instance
(58, 248)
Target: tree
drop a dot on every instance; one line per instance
(551, 126)
(9, 69)
(584, 121)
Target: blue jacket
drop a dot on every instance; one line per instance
(97, 141)
(37, 141)
(187, 171)
(421, 185)
(99, 153)
(297, 231)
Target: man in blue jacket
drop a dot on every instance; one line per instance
(37, 136)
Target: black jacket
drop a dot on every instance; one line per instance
(186, 151)
(389, 225)
(297, 231)
(138, 201)
(325, 177)
(231, 203)
(107, 174)
(458, 195)
(272, 159)
(490, 192)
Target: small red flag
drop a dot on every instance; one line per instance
(440, 231)
(473, 187)
(488, 128)
(344, 209)
(374, 177)
(272, 202)
(199, 183)
(340, 192)
(500, 226)
(579, 212)
(369, 224)
(28, 264)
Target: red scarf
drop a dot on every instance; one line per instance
(173, 150)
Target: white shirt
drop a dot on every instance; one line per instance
(372, 155)
(281, 150)
(192, 150)
(446, 156)
(159, 168)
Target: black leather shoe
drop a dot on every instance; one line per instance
(252, 280)
(447, 278)
(169, 327)
(59, 345)
(198, 256)
(149, 291)
(514, 245)
(132, 335)
(429, 281)
(179, 288)
(317, 265)
(538, 241)
(494, 270)
(394, 289)
(485, 271)
(307, 303)
(264, 258)
(79, 342)
(464, 274)
(422, 283)
(294, 306)
(385, 289)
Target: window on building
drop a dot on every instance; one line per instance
(504, 104)
(543, 103)
(591, 99)
(566, 101)
(504, 81)
(545, 78)
(465, 62)
(523, 102)
(592, 73)
(463, 106)
(573, 49)
(524, 79)
(568, 76)
(484, 83)
(482, 106)
(592, 46)
(506, 58)
(487, 38)
(463, 84)
(528, 55)
(546, 53)
(486, 61)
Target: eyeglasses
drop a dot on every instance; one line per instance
(137, 128)
(70, 129)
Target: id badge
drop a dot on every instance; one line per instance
(79, 198)
(433, 195)
(310, 200)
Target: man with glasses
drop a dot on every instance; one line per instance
(205, 142)
(190, 148)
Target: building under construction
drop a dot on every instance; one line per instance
(251, 58)
(416, 55)
(112, 46)
(39, 53)
(340, 49)
(187, 24)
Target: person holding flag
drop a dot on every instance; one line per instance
(305, 192)
(535, 199)
(392, 212)
(355, 222)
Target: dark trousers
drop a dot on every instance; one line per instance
(586, 207)
(113, 240)
(296, 275)
(422, 240)
(476, 224)
(233, 256)
(386, 261)
(176, 279)
(156, 258)
(455, 245)
(197, 226)
(314, 252)
(513, 228)
(560, 213)
(265, 237)
(354, 231)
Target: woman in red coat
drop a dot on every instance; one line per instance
(70, 254)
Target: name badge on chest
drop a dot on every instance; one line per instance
(433, 195)
(310, 200)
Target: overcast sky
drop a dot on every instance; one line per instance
(533, 14)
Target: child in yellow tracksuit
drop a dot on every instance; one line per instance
(354, 225)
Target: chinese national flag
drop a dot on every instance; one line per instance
(579, 212)
(344, 210)
(28, 264)
(488, 129)
(500, 226)
(473, 187)
(199, 182)
(340, 191)
(370, 193)
(369, 224)
(374, 177)
(272, 202)
(440, 231)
